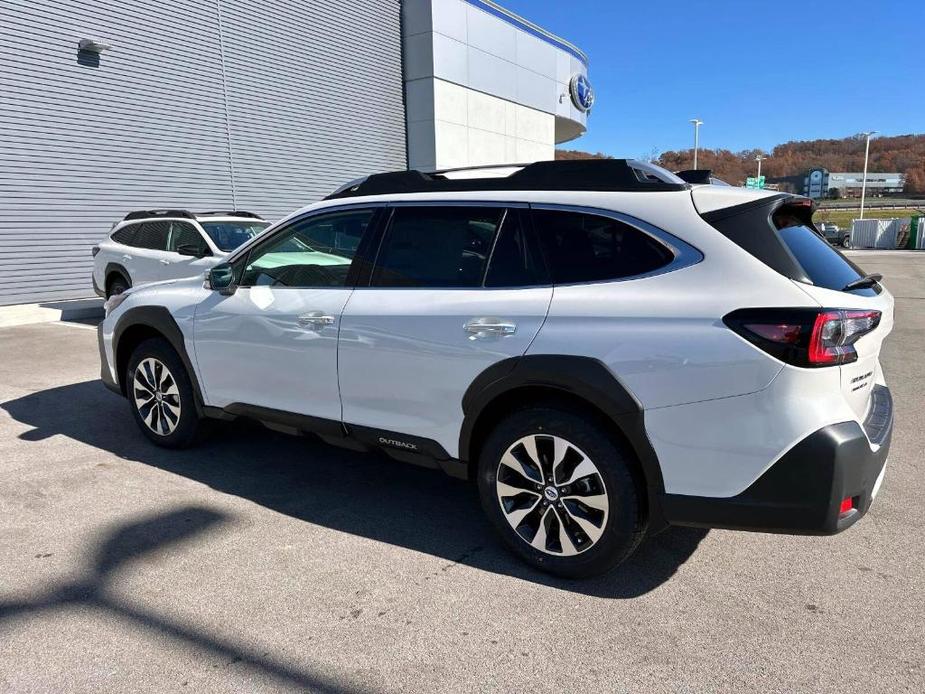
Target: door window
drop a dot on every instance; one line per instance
(152, 235)
(184, 234)
(590, 248)
(515, 260)
(314, 252)
(437, 246)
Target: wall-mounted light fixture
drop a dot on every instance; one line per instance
(93, 45)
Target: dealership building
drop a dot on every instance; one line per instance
(117, 105)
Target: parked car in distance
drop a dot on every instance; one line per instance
(834, 235)
(155, 245)
(601, 347)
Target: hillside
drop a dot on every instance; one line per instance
(904, 153)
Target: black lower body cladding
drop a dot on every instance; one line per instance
(802, 493)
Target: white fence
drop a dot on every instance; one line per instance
(876, 233)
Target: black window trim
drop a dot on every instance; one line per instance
(507, 207)
(684, 254)
(353, 275)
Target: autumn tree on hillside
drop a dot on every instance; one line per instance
(903, 153)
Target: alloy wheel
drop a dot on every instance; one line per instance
(156, 396)
(552, 495)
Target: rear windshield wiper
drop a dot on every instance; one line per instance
(863, 282)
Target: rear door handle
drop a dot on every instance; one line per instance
(485, 327)
(315, 320)
(164, 261)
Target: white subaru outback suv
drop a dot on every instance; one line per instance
(155, 245)
(605, 349)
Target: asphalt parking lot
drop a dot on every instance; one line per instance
(260, 562)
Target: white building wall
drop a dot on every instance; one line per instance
(483, 87)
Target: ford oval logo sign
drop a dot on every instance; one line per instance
(582, 93)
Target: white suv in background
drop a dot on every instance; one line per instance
(604, 348)
(155, 245)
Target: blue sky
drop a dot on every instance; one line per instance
(756, 73)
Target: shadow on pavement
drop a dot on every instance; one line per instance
(362, 494)
(133, 541)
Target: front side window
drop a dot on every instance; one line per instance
(184, 234)
(431, 246)
(152, 235)
(590, 248)
(229, 235)
(313, 252)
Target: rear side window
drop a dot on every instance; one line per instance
(590, 248)
(125, 235)
(152, 235)
(437, 247)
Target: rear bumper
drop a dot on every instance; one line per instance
(802, 492)
(96, 287)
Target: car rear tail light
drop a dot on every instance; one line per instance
(846, 505)
(805, 337)
(95, 250)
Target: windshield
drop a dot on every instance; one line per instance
(229, 235)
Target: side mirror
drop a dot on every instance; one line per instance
(193, 250)
(221, 278)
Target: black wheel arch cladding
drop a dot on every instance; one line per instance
(585, 378)
(117, 270)
(151, 321)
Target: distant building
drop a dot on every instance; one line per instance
(849, 184)
(818, 183)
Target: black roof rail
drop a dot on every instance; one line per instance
(233, 213)
(145, 214)
(617, 175)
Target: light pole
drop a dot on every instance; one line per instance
(760, 158)
(864, 180)
(697, 123)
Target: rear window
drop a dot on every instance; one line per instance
(783, 238)
(824, 266)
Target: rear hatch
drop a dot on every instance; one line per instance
(778, 230)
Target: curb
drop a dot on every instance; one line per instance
(50, 312)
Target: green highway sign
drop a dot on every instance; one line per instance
(753, 182)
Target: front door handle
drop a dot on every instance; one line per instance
(164, 261)
(485, 327)
(315, 320)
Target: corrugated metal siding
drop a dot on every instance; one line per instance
(314, 94)
(315, 97)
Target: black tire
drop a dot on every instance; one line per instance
(846, 241)
(116, 285)
(173, 432)
(625, 523)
